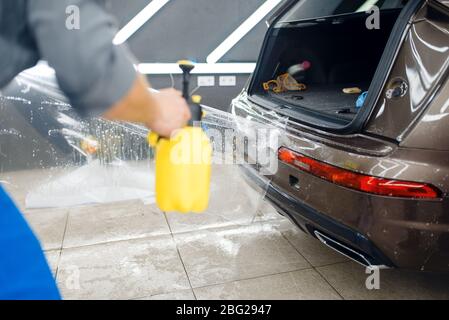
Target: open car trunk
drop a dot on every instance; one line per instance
(343, 53)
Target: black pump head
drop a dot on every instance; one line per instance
(186, 66)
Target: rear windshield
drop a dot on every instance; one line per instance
(309, 9)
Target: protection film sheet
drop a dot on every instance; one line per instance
(50, 157)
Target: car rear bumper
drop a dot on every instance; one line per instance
(339, 237)
(377, 242)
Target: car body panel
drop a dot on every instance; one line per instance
(359, 152)
(405, 230)
(396, 144)
(432, 131)
(444, 2)
(393, 225)
(422, 64)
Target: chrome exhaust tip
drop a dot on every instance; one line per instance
(348, 252)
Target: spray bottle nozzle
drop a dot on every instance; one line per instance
(194, 102)
(186, 67)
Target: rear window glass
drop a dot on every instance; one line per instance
(309, 9)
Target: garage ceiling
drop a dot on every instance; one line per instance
(191, 29)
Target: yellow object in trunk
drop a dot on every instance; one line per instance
(183, 171)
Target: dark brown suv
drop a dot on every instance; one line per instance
(363, 163)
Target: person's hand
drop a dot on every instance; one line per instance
(162, 112)
(169, 112)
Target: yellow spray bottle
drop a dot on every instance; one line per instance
(183, 162)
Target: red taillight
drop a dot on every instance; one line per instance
(353, 180)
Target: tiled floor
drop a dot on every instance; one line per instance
(130, 250)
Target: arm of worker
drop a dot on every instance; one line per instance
(98, 77)
(162, 112)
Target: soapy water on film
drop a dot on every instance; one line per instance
(58, 160)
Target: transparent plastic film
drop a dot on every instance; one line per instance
(240, 176)
(50, 157)
(244, 162)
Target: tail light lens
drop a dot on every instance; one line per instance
(353, 180)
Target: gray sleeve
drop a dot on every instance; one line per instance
(92, 72)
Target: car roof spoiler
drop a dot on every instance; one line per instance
(280, 9)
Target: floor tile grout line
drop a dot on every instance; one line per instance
(253, 278)
(158, 294)
(327, 281)
(65, 229)
(62, 244)
(179, 255)
(102, 243)
(226, 226)
(289, 242)
(313, 267)
(132, 238)
(334, 264)
(161, 235)
(320, 266)
(250, 278)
